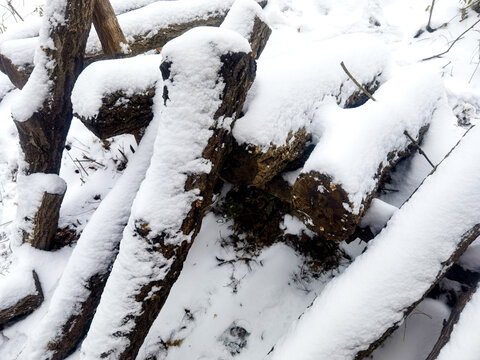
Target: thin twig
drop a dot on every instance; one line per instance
(453, 43)
(14, 10)
(429, 29)
(414, 142)
(356, 82)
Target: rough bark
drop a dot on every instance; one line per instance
(108, 29)
(238, 73)
(45, 222)
(121, 114)
(24, 306)
(444, 337)
(325, 212)
(128, 114)
(248, 164)
(466, 239)
(42, 136)
(140, 44)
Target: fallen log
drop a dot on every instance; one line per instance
(449, 324)
(357, 148)
(78, 293)
(19, 296)
(145, 29)
(127, 92)
(277, 126)
(204, 66)
(422, 239)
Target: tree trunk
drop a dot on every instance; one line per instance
(42, 133)
(108, 29)
(162, 246)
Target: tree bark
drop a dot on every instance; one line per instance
(42, 136)
(165, 241)
(23, 306)
(444, 337)
(108, 29)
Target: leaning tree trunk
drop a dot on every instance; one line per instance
(44, 111)
(189, 152)
(109, 32)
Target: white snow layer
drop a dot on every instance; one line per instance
(162, 203)
(463, 343)
(353, 142)
(95, 251)
(37, 89)
(30, 198)
(290, 86)
(398, 267)
(102, 78)
(15, 286)
(241, 17)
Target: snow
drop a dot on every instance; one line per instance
(36, 91)
(34, 186)
(15, 286)
(353, 142)
(132, 75)
(463, 343)
(162, 203)
(95, 251)
(277, 103)
(241, 17)
(378, 215)
(409, 253)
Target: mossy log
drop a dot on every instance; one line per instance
(23, 306)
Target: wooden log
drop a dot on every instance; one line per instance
(28, 303)
(43, 125)
(246, 17)
(138, 40)
(421, 241)
(123, 113)
(179, 188)
(108, 29)
(450, 323)
(250, 164)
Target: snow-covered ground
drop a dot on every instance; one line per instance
(233, 305)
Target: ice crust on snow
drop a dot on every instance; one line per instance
(33, 187)
(353, 142)
(463, 343)
(185, 126)
(95, 251)
(102, 78)
(398, 267)
(290, 87)
(241, 17)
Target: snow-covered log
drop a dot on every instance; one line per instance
(384, 284)
(78, 293)
(43, 110)
(247, 18)
(120, 99)
(277, 126)
(464, 334)
(20, 294)
(357, 148)
(207, 74)
(114, 97)
(146, 28)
